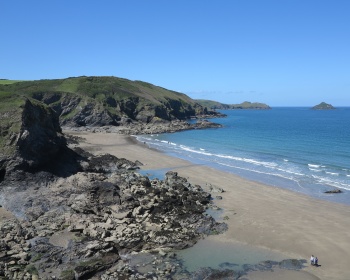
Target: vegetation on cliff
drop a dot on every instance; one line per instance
(98, 101)
(323, 106)
(30, 134)
(210, 104)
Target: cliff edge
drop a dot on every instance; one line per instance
(30, 134)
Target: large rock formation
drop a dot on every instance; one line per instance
(84, 224)
(30, 134)
(323, 106)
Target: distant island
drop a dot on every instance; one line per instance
(210, 104)
(323, 106)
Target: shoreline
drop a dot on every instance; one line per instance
(318, 191)
(260, 215)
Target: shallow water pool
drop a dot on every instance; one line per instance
(211, 252)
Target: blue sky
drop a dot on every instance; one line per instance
(280, 52)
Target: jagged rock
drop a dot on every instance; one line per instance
(334, 191)
(36, 137)
(108, 213)
(79, 213)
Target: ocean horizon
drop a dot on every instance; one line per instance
(296, 148)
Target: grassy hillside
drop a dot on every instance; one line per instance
(7, 82)
(96, 87)
(105, 98)
(244, 105)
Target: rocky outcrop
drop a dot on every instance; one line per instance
(155, 127)
(85, 224)
(32, 137)
(323, 106)
(78, 215)
(333, 191)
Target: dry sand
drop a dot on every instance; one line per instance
(264, 216)
(5, 215)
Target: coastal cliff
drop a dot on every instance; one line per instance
(244, 105)
(30, 134)
(110, 101)
(77, 215)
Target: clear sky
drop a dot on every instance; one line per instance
(280, 52)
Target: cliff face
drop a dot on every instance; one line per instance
(101, 101)
(30, 134)
(103, 213)
(40, 138)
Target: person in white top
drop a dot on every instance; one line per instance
(312, 260)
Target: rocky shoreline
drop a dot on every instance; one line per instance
(105, 222)
(155, 127)
(85, 216)
(82, 225)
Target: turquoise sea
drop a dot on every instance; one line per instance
(299, 149)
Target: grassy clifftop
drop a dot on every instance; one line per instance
(97, 87)
(244, 105)
(106, 100)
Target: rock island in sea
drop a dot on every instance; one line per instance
(323, 106)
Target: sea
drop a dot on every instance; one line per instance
(296, 148)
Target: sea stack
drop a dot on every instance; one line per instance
(323, 106)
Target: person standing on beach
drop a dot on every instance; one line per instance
(312, 260)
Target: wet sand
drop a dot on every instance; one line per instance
(259, 215)
(5, 215)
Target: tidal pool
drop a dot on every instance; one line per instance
(211, 252)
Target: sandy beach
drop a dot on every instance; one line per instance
(263, 216)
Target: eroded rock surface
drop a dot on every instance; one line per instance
(79, 226)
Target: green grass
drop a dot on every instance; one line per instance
(68, 85)
(11, 107)
(10, 119)
(114, 87)
(67, 274)
(101, 91)
(8, 82)
(31, 269)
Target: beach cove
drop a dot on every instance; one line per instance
(262, 216)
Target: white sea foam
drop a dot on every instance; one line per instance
(265, 173)
(290, 171)
(314, 165)
(332, 173)
(316, 170)
(248, 160)
(332, 183)
(314, 173)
